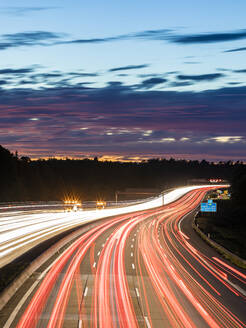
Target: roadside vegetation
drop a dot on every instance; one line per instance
(23, 179)
(227, 227)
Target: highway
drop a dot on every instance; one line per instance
(137, 269)
(21, 230)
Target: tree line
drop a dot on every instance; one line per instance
(23, 179)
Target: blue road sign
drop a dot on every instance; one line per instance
(209, 206)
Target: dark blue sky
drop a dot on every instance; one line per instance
(129, 80)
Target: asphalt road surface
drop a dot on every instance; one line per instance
(142, 269)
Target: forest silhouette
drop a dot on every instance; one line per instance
(23, 179)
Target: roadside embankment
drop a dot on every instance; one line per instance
(224, 231)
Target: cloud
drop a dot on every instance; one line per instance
(46, 38)
(191, 62)
(122, 74)
(180, 84)
(144, 35)
(129, 67)
(121, 119)
(14, 71)
(78, 74)
(30, 37)
(47, 75)
(33, 75)
(91, 41)
(16, 11)
(202, 77)
(148, 75)
(221, 69)
(239, 71)
(236, 49)
(227, 139)
(33, 38)
(168, 139)
(150, 83)
(161, 34)
(168, 35)
(209, 37)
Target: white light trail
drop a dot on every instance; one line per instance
(19, 233)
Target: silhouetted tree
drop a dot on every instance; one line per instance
(52, 179)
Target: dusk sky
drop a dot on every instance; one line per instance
(123, 80)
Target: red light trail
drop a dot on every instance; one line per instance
(139, 270)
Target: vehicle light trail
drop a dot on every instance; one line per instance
(19, 233)
(139, 270)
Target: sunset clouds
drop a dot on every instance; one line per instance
(133, 82)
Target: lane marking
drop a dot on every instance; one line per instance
(133, 266)
(86, 291)
(94, 265)
(239, 289)
(98, 253)
(131, 246)
(137, 292)
(147, 322)
(131, 254)
(80, 323)
(230, 267)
